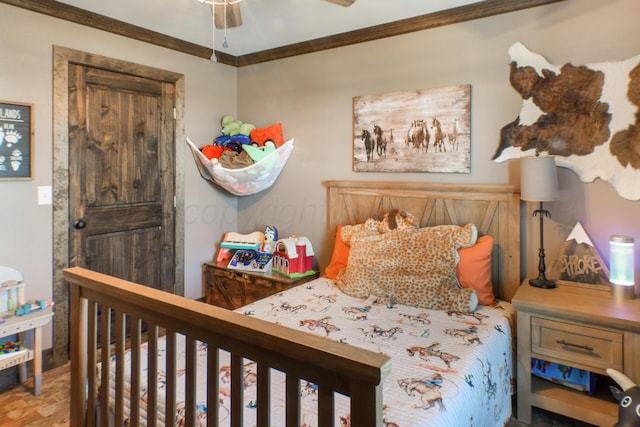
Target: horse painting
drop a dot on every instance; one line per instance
(418, 136)
(452, 136)
(413, 131)
(381, 141)
(368, 143)
(438, 138)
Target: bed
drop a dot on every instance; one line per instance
(275, 365)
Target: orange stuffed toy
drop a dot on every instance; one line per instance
(262, 136)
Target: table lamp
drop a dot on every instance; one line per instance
(539, 183)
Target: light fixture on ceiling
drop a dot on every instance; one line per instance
(225, 14)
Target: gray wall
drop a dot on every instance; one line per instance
(312, 96)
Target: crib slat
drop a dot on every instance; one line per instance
(264, 397)
(326, 409)
(105, 334)
(237, 390)
(366, 402)
(355, 375)
(170, 395)
(292, 393)
(92, 386)
(78, 414)
(134, 416)
(120, 366)
(213, 385)
(190, 381)
(152, 375)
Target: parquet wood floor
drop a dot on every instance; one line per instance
(20, 408)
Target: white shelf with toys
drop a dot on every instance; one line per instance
(20, 318)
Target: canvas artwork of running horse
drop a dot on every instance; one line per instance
(418, 131)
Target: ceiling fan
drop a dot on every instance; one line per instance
(226, 13)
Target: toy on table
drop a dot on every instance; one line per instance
(270, 238)
(233, 240)
(10, 347)
(255, 259)
(251, 260)
(28, 308)
(11, 294)
(293, 257)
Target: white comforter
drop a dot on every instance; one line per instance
(448, 369)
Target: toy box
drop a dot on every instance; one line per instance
(575, 378)
(293, 257)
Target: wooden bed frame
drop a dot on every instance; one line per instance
(494, 209)
(334, 367)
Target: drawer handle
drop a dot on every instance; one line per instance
(569, 344)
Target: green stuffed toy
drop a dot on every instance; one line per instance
(234, 134)
(232, 127)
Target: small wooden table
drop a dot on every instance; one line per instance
(231, 289)
(579, 327)
(21, 325)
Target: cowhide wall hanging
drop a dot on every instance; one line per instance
(588, 116)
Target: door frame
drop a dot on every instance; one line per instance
(62, 56)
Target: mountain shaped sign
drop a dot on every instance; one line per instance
(579, 261)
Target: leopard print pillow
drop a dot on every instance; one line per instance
(409, 266)
(393, 220)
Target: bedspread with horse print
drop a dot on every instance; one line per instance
(448, 368)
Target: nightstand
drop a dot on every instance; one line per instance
(231, 289)
(580, 327)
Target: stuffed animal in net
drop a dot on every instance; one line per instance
(234, 134)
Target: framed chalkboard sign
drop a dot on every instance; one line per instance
(16, 140)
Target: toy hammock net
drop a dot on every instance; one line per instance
(248, 180)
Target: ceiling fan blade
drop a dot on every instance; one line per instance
(345, 3)
(234, 19)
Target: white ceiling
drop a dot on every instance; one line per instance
(266, 23)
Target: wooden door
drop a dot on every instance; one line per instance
(122, 176)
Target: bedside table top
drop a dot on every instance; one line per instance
(579, 303)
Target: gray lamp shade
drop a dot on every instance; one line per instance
(538, 179)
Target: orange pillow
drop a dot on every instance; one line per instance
(474, 269)
(339, 257)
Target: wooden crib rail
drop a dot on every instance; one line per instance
(332, 366)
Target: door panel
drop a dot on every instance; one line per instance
(136, 250)
(121, 173)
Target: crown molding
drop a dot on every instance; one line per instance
(469, 12)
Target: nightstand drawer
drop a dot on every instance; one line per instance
(589, 348)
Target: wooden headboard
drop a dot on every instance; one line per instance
(494, 209)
